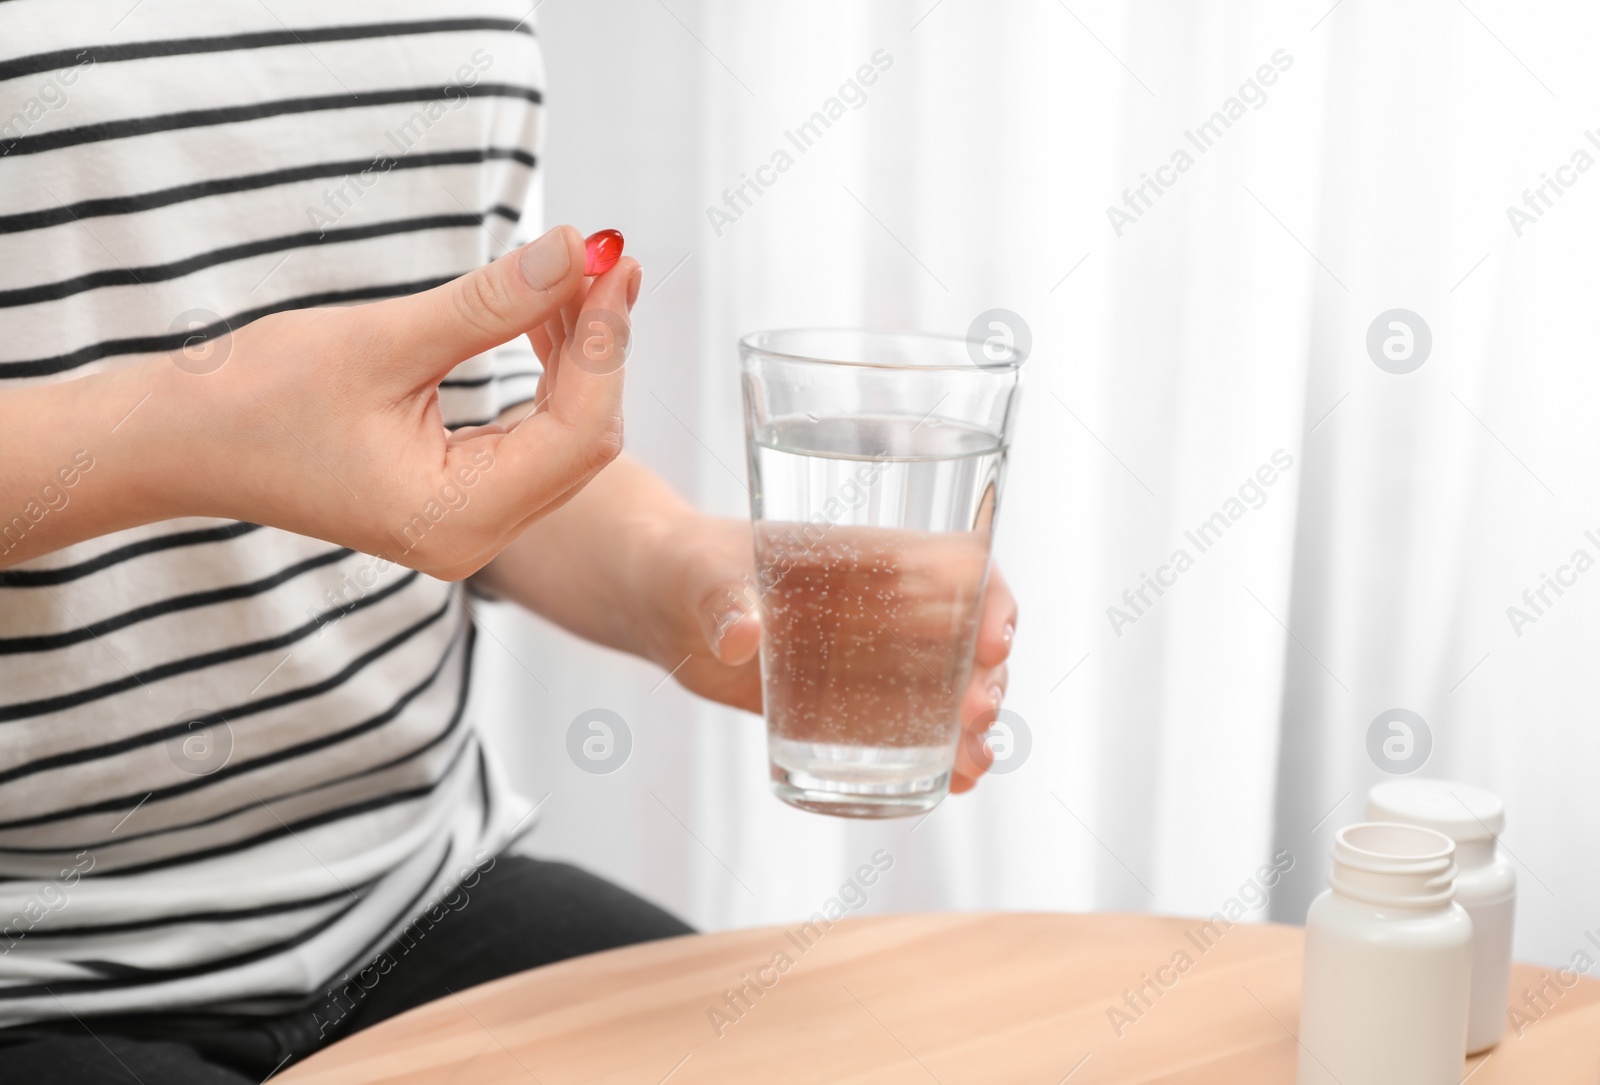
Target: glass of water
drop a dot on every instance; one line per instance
(876, 462)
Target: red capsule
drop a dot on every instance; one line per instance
(601, 251)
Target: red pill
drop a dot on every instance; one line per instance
(601, 251)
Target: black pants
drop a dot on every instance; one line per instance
(522, 913)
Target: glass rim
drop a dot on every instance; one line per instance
(749, 343)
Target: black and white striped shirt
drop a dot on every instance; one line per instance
(234, 761)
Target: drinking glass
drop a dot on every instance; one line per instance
(876, 463)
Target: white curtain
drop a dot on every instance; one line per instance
(1216, 327)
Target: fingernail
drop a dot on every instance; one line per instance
(721, 622)
(601, 251)
(633, 286)
(996, 695)
(1008, 632)
(545, 261)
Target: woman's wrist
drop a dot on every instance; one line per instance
(696, 579)
(158, 448)
(223, 451)
(658, 545)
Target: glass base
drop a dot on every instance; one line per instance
(854, 799)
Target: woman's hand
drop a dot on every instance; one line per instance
(343, 406)
(326, 422)
(700, 622)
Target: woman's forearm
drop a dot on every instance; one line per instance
(90, 456)
(592, 566)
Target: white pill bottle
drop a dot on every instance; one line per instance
(1486, 884)
(1388, 963)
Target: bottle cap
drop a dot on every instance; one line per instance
(1460, 811)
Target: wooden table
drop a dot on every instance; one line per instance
(942, 999)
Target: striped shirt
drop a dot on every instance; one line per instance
(235, 761)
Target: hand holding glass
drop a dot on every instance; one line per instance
(876, 463)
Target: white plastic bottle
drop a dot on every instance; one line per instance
(1486, 884)
(1388, 962)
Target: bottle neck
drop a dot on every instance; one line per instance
(1394, 891)
(1394, 866)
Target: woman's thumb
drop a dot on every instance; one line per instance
(489, 306)
(731, 622)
